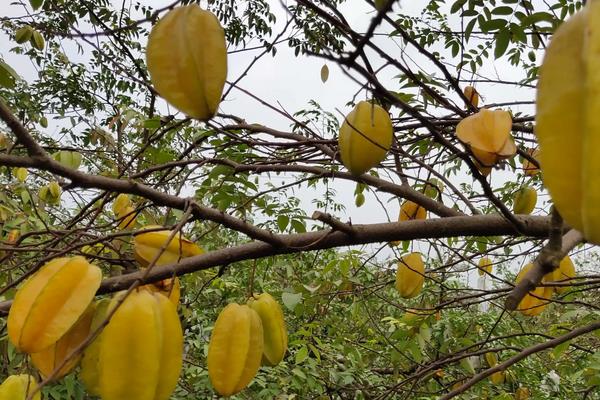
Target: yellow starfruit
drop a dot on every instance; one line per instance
(146, 246)
(187, 60)
(487, 135)
(529, 169)
(564, 272)
(52, 357)
(497, 378)
(534, 302)
(567, 123)
(127, 218)
(410, 211)
(19, 387)
(472, 95)
(410, 275)
(485, 265)
(365, 137)
(235, 349)
(89, 373)
(525, 200)
(522, 393)
(121, 203)
(491, 359)
(51, 301)
(170, 287)
(141, 349)
(274, 330)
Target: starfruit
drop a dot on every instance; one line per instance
(525, 200)
(497, 378)
(410, 275)
(187, 60)
(51, 301)
(274, 330)
(529, 169)
(365, 137)
(89, 362)
(170, 287)
(52, 357)
(410, 211)
(141, 349)
(121, 204)
(534, 302)
(564, 272)
(472, 95)
(148, 244)
(127, 218)
(567, 123)
(485, 265)
(19, 387)
(487, 135)
(522, 393)
(491, 359)
(235, 349)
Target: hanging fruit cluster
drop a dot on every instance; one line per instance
(365, 137)
(243, 338)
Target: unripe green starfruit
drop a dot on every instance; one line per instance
(23, 34)
(235, 349)
(567, 123)
(487, 135)
(141, 349)
(274, 330)
(187, 60)
(525, 200)
(365, 137)
(491, 359)
(498, 378)
(147, 246)
(19, 387)
(51, 301)
(21, 174)
(410, 275)
(53, 357)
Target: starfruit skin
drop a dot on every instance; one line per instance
(533, 304)
(274, 329)
(525, 200)
(410, 275)
(89, 373)
(235, 349)
(498, 378)
(18, 387)
(51, 358)
(471, 94)
(485, 265)
(170, 287)
(491, 359)
(51, 301)
(187, 60)
(565, 271)
(529, 169)
(365, 137)
(141, 349)
(409, 210)
(567, 123)
(487, 135)
(147, 245)
(127, 218)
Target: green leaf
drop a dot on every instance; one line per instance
(8, 76)
(458, 4)
(301, 355)
(558, 350)
(35, 4)
(502, 41)
(291, 300)
(502, 10)
(282, 222)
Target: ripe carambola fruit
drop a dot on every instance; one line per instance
(89, 361)
(141, 349)
(170, 287)
(534, 302)
(410, 275)
(365, 137)
(51, 301)
(565, 271)
(487, 134)
(525, 200)
(567, 123)
(19, 387)
(187, 60)
(485, 265)
(274, 330)
(147, 245)
(522, 393)
(491, 359)
(472, 95)
(529, 169)
(235, 349)
(411, 210)
(498, 378)
(51, 358)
